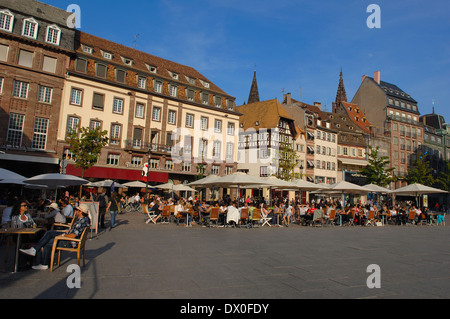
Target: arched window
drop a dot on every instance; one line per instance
(53, 35)
(6, 20)
(30, 28)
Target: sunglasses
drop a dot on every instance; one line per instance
(24, 205)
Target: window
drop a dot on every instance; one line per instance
(230, 151)
(1, 85)
(152, 68)
(137, 137)
(230, 129)
(156, 115)
(205, 84)
(87, 49)
(218, 126)
(168, 166)
(45, 94)
(73, 123)
(121, 76)
(40, 133)
(20, 89)
(189, 120)
(68, 154)
(4, 49)
(76, 96)
(202, 147)
(115, 134)
(29, 28)
(136, 161)
(190, 94)
(98, 101)
(158, 86)
(6, 20)
(53, 35)
(215, 169)
(95, 124)
(49, 64)
(140, 109)
(107, 55)
(186, 167)
(101, 70)
(218, 101)
(15, 129)
(154, 163)
(171, 118)
(81, 65)
(113, 159)
(264, 171)
(127, 61)
(204, 123)
(173, 90)
(205, 98)
(173, 75)
(217, 145)
(118, 106)
(25, 58)
(142, 82)
(228, 170)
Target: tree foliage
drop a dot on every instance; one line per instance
(86, 145)
(443, 180)
(421, 172)
(287, 161)
(378, 171)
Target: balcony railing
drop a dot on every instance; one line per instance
(138, 145)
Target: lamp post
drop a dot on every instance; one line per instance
(148, 173)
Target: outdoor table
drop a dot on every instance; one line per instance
(383, 218)
(185, 212)
(19, 232)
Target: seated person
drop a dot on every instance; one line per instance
(46, 242)
(54, 215)
(233, 214)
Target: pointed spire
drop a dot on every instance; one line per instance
(254, 93)
(341, 95)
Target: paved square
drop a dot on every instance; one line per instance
(136, 260)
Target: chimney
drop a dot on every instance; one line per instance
(319, 105)
(288, 98)
(363, 77)
(377, 77)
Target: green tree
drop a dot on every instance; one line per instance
(86, 145)
(443, 180)
(421, 172)
(378, 171)
(287, 161)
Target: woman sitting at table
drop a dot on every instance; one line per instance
(346, 214)
(310, 213)
(394, 215)
(19, 216)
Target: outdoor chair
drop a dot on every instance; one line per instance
(331, 220)
(256, 217)
(151, 215)
(411, 218)
(317, 217)
(68, 225)
(440, 219)
(165, 215)
(371, 218)
(424, 220)
(79, 248)
(214, 216)
(244, 217)
(265, 221)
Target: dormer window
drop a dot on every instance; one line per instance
(6, 20)
(174, 75)
(53, 35)
(87, 49)
(30, 28)
(107, 55)
(127, 61)
(190, 80)
(205, 84)
(152, 68)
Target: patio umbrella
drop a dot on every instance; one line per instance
(204, 182)
(136, 184)
(373, 188)
(416, 190)
(344, 187)
(7, 174)
(173, 187)
(107, 183)
(307, 186)
(55, 180)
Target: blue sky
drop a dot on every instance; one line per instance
(298, 46)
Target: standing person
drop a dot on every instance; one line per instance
(287, 214)
(113, 208)
(103, 204)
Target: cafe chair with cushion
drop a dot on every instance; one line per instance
(440, 219)
(331, 220)
(371, 218)
(244, 217)
(317, 217)
(214, 217)
(256, 217)
(62, 243)
(165, 215)
(67, 225)
(411, 218)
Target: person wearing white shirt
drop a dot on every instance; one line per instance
(233, 214)
(54, 215)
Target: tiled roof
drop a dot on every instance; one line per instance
(140, 61)
(357, 116)
(309, 107)
(394, 91)
(266, 113)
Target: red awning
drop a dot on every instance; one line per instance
(117, 174)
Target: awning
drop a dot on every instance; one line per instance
(355, 162)
(117, 174)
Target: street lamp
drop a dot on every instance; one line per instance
(148, 172)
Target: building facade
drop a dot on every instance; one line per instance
(35, 50)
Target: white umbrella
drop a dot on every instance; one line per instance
(307, 186)
(377, 189)
(7, 174)
(55, 180)
(417, 189)
(204, 181)
(136, 184)
(344, 187)
(107, 183)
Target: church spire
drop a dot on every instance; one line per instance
(341, 95)
(254, 93)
